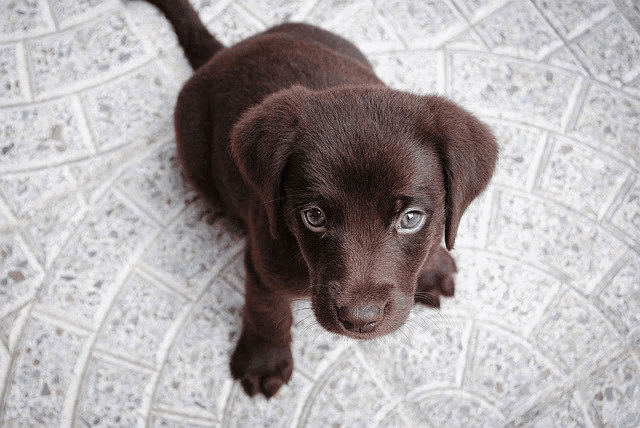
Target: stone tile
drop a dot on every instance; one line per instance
(393, 419)
(415, 72)
(572, 17)
(615, 393)
(89, 267)
(47, 201)
(157, 183)
(506, 370)
(196, 372)
(139, 321)
(358, 22)
(71, 12)
(42, 134)
(27, 193)
(501, 291)
(82, 55)
(579, 177)
(273, 12)
(449, 409)
(278, 411)
(575, 333)
(518, 30)
(20, 275)
(111, 395)
(422, 24)
(470, 231)
(137, 107)
(474, 9)
(553, 237)
(95, 174)
(193, 249)
(563, 412)
(149, 22)
(468, 40)
(7, 322)
(566, 59)
(157, 420)
(518, 146)
(610, 122)
(20, 18)
(233, 25)
(349, 396)
(313, 347)
(507, 89)
(626, 215)
(13, 86)
(620, 298)
(425, 353)
(235, 273)
(611, 50)
(42, 371)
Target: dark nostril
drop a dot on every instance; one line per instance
(362, 319)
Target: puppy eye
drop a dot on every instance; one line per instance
(314, 219)
(411, 221)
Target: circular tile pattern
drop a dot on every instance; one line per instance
(121, 291)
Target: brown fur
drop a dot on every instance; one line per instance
(294, 120)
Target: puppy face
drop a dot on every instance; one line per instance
(365, 202)
(368, 180)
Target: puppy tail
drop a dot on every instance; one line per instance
(198, 44)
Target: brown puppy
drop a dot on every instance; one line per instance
(346, 187)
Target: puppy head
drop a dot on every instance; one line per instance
(367, 180)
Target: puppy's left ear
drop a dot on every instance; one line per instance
(261, 143)
(468, 153)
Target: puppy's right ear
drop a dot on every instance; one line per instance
(261, 143)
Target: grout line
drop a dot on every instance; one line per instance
(575, 106)
(539, 162)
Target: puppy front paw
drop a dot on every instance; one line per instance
(436, 279)
(261, 366)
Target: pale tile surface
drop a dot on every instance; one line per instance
(121, 292)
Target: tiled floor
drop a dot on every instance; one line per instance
(120, 292)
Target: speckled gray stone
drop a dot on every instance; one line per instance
(142, 316)
(79, 55)
(610, 122)
(510, 89)
(20, 275)
(566, 241)
(43, 133)
(43, 370)
(615, 393)
(111, 395)
(19, 18)
(611, 49)
(578, 177)
(88, 269)
(190, 379)
(503, 31)
(121, 291)
(184, 251)
(501, 290)
(133, 108)
(575, 331)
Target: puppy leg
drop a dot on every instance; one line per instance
(436, 278)
(262, 360)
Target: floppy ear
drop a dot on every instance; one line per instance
(468, 153)
(261, 143)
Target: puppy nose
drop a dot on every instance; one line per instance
(360, 320)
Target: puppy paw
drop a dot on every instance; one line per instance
(260, 366)
(436, 279)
